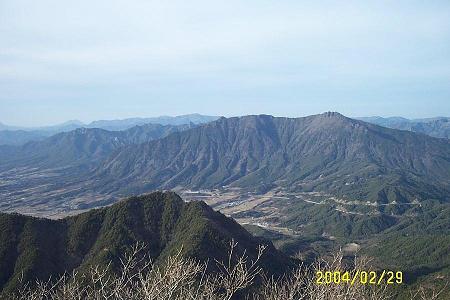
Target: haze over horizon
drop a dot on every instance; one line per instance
(91, 60)
(76, 121)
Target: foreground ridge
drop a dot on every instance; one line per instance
(33, 248)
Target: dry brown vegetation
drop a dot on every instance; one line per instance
(181, 278)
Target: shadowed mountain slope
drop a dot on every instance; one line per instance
(80, 146)
(19, 137)
(326, 152)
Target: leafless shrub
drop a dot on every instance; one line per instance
(139, 278)
(234, 277)
(180, 278)
(290, 287)
(428, 293)
(302, 284)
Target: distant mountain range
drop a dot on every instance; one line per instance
(14, 135)
(163, 120)
(437, 127)
(327, 152)
(81, 146)
(66, 126)
(32, 248)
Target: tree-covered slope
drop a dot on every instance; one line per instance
(40, 248)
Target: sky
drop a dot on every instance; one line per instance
(110, 59)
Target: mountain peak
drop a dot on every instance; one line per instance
(331, 118)
(72, 122)
(332, 114)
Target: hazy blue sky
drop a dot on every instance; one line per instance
(89, 59)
